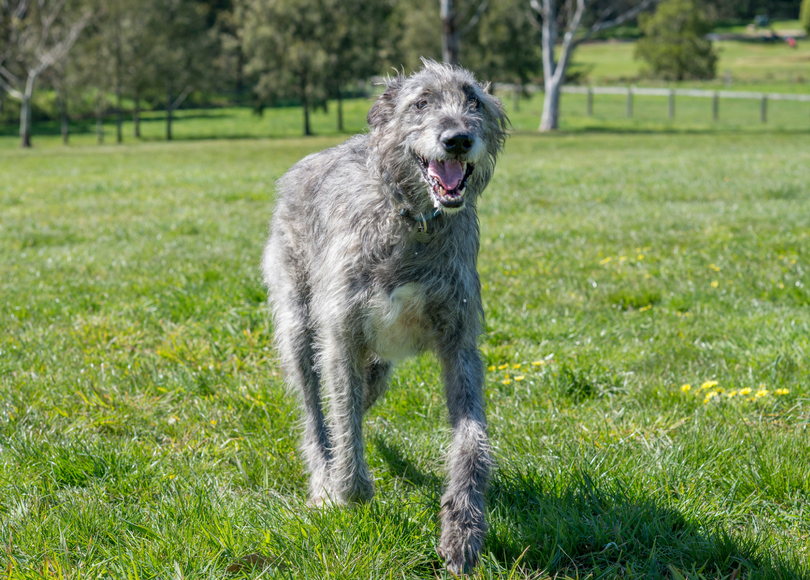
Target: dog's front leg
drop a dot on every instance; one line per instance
(463, 524)
(344, 379)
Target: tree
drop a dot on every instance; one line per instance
(804, 16)
(284, 43)
(180, 49)
(37, 36)
(353, 46)
(572, 19)
(309, 49)
(452, 29)
(674, 44)
(492, 52)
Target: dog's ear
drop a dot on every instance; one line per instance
(383, 109)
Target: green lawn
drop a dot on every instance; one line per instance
(145, 431)
(756, 66)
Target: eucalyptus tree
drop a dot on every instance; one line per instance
(286, 48)
(36, 35)
(492, 52)
(579, 20)
(353, 46)
(180, 49)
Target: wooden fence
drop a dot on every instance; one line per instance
(631, 92)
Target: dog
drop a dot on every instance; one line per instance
(372, 258)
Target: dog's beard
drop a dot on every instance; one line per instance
(446, 181)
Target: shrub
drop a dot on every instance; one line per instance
(674, 44)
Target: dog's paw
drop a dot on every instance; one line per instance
(463, 532)
(459, 557)
(323, 501)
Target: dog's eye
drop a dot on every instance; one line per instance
(421, 105)
(474, 102)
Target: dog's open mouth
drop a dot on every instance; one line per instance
(446, 180)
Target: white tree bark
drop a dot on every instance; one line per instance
(32, 43)
(554, 68)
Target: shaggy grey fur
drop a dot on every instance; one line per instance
(361, 273)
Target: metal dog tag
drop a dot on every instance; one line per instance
(421, 234)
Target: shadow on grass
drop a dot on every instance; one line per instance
(578, 527)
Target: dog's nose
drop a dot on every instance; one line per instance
(459, 143)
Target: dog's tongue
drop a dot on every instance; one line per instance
(449, 173)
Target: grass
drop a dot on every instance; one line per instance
(145, 431)
(754, 65)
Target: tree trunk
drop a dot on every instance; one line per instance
(449, 32)
(100, 119)
(119, 120)
(169, 111)
(551, 106)
(61, 102)
(307, 130)
(25, 111)
(136, 115)
(339, 112)
(25, 121)
(240, 71)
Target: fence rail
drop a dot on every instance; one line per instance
(631, 91)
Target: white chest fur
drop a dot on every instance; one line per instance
(397, 325)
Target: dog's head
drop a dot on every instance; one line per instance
(437, 134)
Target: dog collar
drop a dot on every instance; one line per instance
(420, 230)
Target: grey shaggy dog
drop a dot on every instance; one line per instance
(371, 259)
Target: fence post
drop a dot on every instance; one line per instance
(671, 103)
(590, 102)
(629, 102)
(716, 106)
(763, 109)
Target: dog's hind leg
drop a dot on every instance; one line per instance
(378, 373)
(463, 524)
(343, 370)
(294, 342)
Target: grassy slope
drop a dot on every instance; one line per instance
(754, 65)
(144, 430)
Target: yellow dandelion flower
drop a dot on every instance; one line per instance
(506, 382)
(537, 363)
(781, 391)
(640, 257)
(715, 284)
(709, 396)
(745, 391)
(715, 268)
(622, 258)
(520, 378)
(213, 422)
(491, 368)
(643, 308)
(708, 385)
(686, 388)
(501, 367)
(516, 366)
(605, 261)
(732, 393)
(761, 393)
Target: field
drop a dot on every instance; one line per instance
(646, 292)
